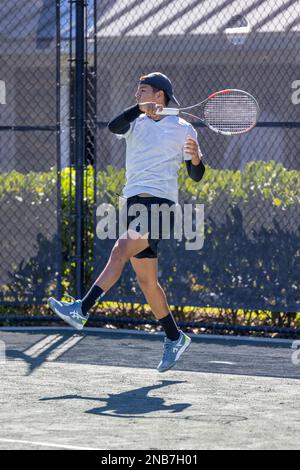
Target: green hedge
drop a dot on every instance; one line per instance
(267, 180)
(264, 181)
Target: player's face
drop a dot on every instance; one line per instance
(145, 94)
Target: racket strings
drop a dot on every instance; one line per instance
(231, 112)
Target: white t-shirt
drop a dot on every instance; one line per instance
(154, 153)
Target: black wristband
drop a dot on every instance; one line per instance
(196, 172)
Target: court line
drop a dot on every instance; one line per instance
(60, 350)
(226, 363)
(46, 444)
(41, 346)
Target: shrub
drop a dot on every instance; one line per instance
(266, 192)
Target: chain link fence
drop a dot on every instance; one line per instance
(250, 257)
(30, 266)
(250, 192)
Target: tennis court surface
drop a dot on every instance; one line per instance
(100, 390)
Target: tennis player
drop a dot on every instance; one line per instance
(155, 148)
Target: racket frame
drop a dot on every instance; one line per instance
(177, 111)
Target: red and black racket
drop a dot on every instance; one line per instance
(228, 112)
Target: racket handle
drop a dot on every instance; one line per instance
(168, 112)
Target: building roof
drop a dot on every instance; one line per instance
(193, 17)
(22, 19)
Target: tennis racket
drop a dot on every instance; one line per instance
(228, 112)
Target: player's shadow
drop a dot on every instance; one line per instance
(34, 363)
(132, 403)
(31, 362)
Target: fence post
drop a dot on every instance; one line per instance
(79, 143)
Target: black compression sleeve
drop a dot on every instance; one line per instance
(132, 113)
(196, 172)
(121, 123)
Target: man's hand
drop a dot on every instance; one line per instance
(150, 109)
(191, 147)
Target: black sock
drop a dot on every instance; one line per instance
(170, 327)
(91, 298)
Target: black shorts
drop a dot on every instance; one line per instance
(158, 231)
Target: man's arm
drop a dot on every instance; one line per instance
(121, 123)
(195, 167)
(195, 172)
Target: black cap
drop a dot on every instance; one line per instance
(161, 82)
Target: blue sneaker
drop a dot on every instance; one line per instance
(173, 351)
(70, 312)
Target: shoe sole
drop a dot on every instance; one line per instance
(185, 347)
(65, 319)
